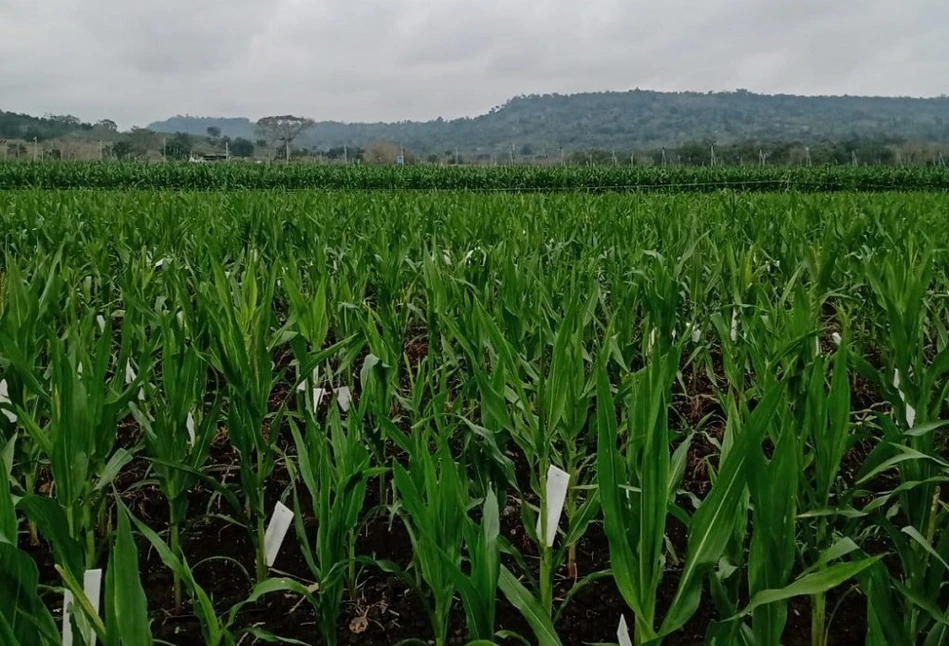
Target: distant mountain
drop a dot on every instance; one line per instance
(636, 119)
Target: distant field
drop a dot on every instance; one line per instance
(185, 176)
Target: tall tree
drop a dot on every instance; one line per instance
(283, 129)
(214, 132)
(241, 147)
(108, 125)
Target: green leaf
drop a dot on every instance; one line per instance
(269, 587)
(713, 523)
(270, 638)
(530, 608)
(810, 584)
(913, 533)
(125, 597)
(54, 527)
(112, 469)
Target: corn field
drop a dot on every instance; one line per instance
(467, 418)
(510, 178)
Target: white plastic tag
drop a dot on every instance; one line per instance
(734, 332)
(344, 398)
(100, 321)
(558, 481)
(910, 411)
(318, 394)
(622, 633)
(92, 588)
(189, 423)
(129, 373)
(5, 399)
(276, 531)
(314, 377)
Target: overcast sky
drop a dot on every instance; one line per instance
(136, 61)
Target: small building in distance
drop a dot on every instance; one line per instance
(208, 157)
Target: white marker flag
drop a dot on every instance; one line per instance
(558, 481)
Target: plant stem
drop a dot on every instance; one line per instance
(176, 549)
(90, 538)
(351, 582)
(261, 565)
(30, 487)
(817, 619)
(546, 582)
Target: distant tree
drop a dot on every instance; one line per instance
(214, 132)
(283, 130)
(108, 125)
(261, 143)
(432, 158)
(121, 150)
(179, 147)
(65, 119)
(142, 140)
(241, 147)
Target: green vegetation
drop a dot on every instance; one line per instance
(470, 178)
(748, 393)
(638, 120)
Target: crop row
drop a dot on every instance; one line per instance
(66, 175)
(710, 417)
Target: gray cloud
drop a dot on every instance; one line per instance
(416, 59)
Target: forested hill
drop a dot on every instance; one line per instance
(635, 119)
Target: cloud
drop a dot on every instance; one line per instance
(416, 59)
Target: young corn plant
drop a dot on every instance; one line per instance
(637, 482)
(333, 462)
(177, 426)
(220, 628)
(713, 526)
(24, 617)
(908, 606)
(774, 494)
(478, 589)
(126, 621)
(240, 316)
(550, 406)
(433, 497)
(88, 397)
(26, 312)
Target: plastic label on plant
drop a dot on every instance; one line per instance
(189, 424)
(910, 410)
(5, 399)
(318, 394)
(622, 633)
(276, 532)
(92, 588)
(734, 331)
(344, 398)
(557, 482)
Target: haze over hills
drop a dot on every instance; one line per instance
(630, 120)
